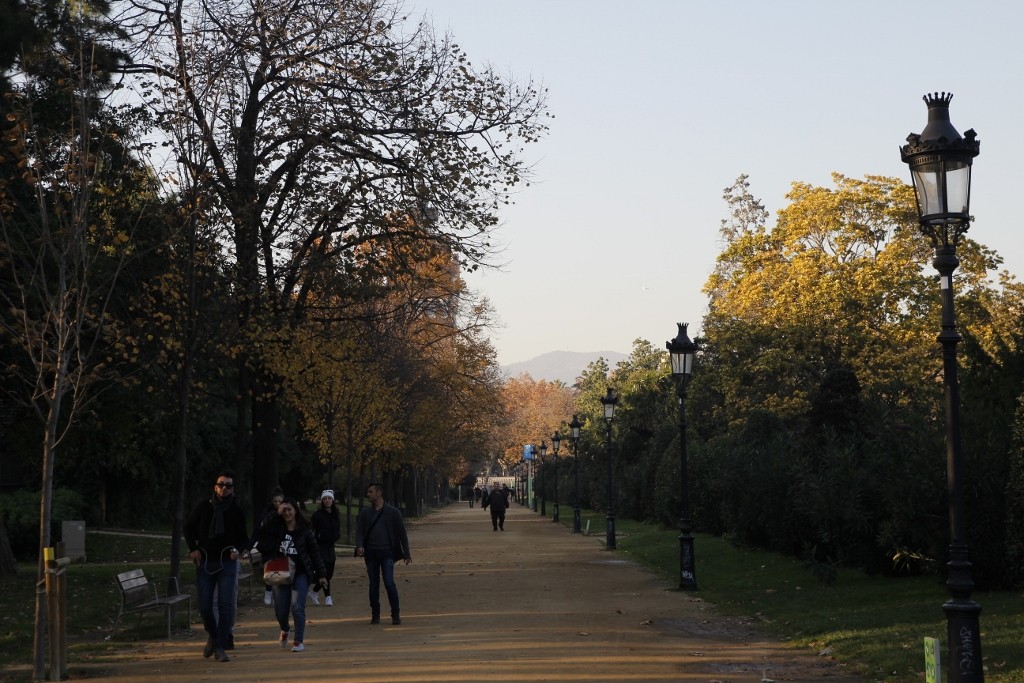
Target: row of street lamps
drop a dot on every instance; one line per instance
(940, 161)
(556, 442)
(682, 352)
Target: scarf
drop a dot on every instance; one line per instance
(217, 521)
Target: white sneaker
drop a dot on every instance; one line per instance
(283, 639)
(316, 600)
(328, 602)
(298, 647)
(268, 597)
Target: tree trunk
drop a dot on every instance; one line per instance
(8, 565)
(180, 465)
(266, 422)
(45, 511)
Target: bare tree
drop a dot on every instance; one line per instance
(66, 231)
(319, 122)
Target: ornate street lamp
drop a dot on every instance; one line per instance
(556, 441)
(682, 350)
(574, 433)
(940, 164)
(608, 401)
(540, 481)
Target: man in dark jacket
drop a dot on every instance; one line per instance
(498, 503)
(214, 532)
(380, 540)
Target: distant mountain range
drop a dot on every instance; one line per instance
(566, 366)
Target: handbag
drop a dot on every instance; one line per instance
(279, 571)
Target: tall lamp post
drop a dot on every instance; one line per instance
(540, 480)
(682, 350)
(608, 401)
(574, 434)
(530, 480)
(940, 164)
(556, 441)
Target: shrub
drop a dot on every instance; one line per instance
(20, 512)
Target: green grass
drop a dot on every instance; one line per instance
(874, 625)
(92, 604)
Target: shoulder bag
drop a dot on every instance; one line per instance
(279, 571)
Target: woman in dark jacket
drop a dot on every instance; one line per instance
(327, 529)
(290, 535)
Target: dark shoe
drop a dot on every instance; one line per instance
(209, 648)
(495, 528)
(396, 620)
(220, 655)
(375, 619)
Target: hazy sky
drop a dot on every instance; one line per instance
(660, 105)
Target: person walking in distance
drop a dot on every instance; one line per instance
(498, 503)
(291, 536)
(327, 529)
(381, 540)
(214, 532)
(269, 512)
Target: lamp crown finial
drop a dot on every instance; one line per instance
(938, 99)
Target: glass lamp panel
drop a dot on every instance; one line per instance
(678, 362)
(958, 187)
(928, 187)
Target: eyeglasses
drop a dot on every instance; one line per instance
(224, 485)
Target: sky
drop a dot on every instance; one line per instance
(660, 105)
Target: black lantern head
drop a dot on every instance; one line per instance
(543, 450)
(682, 352)
(574, 428)
(940, 164)
(608, 401)
(556, 441)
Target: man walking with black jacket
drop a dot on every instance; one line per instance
(214, 532)
(498, 502)
(381, 540)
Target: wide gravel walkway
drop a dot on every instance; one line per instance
(532, 603)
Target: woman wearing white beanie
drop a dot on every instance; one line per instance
(327, 529)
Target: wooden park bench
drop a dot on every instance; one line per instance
(140, 595)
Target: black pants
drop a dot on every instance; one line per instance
(330, 559)
(498, 518)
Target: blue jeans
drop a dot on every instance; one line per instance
(218, 624)
(381, 563)
(292, 599)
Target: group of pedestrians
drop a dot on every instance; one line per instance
(216, 536)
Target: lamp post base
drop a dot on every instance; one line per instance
(577, 526)
(609, 539)
(963, 638)
(687, 570)
(554, 514)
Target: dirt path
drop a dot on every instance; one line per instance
(532, 603)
